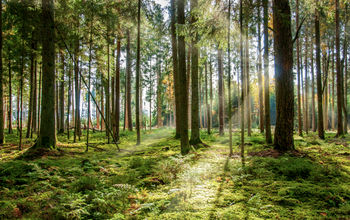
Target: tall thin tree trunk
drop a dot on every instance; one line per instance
(69, 99)
(340, 85)
(206, 98)
(306, 86)
(35, 101)
(128, 83)
(137, 84)
(175, 67)
(10, 131)
(259, 68)
(61, 95)
(332, 118)
(229, 78)
(266, 74)
(242, 80)
(284, 76)
(159, 95)
(318, 75)
(185, 148)
(40, 96)
(195, 136)
(2, 126)
(31, 92)
(221, 92)
(300, 125)
(313, 89)
(117, 90)
(47, 136)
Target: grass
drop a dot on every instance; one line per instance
(154, 181)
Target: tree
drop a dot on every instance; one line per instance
(229, 77)
(137, 85)
(266, 74)
(185, 148)
(175, 66)
(283, 47)
(300, 125)
(47, 136)
(2, 126)
(117, 91)
(195, 137)
(127, 114)
(259, 69)
(340, 99)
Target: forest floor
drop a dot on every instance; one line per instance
(154, 181)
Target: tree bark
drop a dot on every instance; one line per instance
(47, 136)
(117, 90)
(137, 85)
(195, 136)
(175, 67)
(313, 90)
(259, 68)
(61, 95)
(10, 130)
(2, 126)
(159, 95)
(128, 83)
(320, 128)
(185, 148)
(268, 135)
(284, 75)
(300, 125)
(221, 93)
(340, 131)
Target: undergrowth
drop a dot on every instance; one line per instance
(155, 181)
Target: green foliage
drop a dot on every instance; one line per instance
(154, 181)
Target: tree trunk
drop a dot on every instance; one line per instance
(34, 124)
(61, 95)
(185, 148)
(175, 67)
(332, 118)
(195, 136)
(242, 80)
(159, 95)
(2, 127)
(300, 125)
(77, 128)
(137, 84)
(10, 131)
(340, 131)
(69, 99)
(128, 83)
(188, 87)
(221, 93)
(266, 75)
(229, 78)
(344, 68)
(47, 136)
(259, 68)
(284, 75)
(31, 92)
(318, 75)
(306, 86)
(40, 96)
(117, 91)
(313, 90)
(206, 99)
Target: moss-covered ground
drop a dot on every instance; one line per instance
(153, 181)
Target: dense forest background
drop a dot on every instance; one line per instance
(134, 109)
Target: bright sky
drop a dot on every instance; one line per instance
(163, 3)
